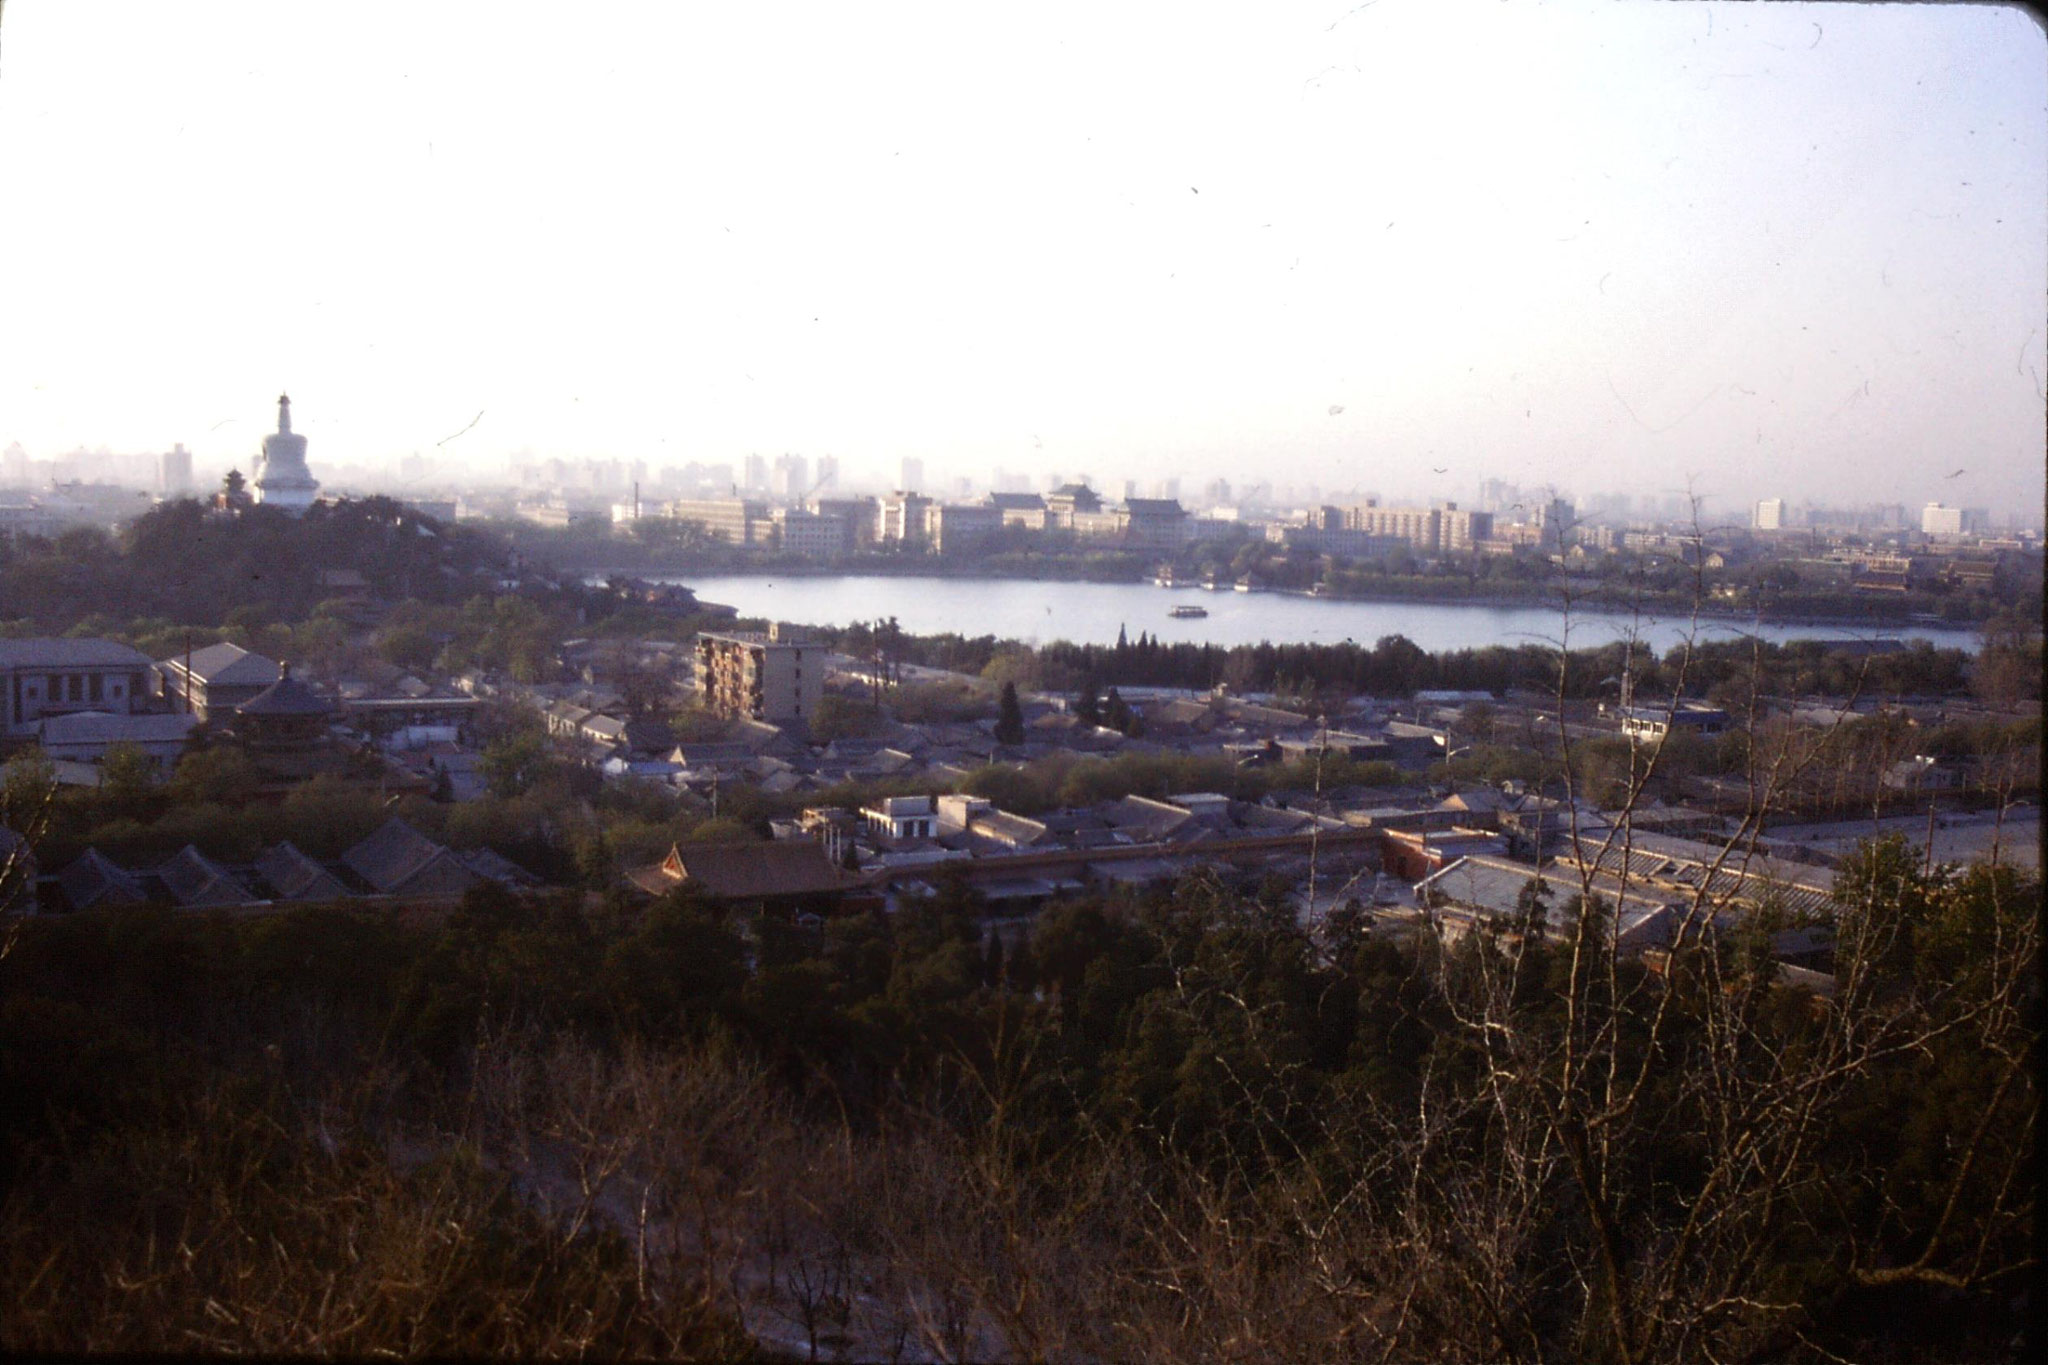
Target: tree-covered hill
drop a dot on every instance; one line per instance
(185, 561)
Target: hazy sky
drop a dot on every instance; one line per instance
(1773, 248)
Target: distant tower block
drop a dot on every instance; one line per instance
(282, 479)
(174, 472)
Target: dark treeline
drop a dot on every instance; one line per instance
(1395, 666)
(1168, 1127)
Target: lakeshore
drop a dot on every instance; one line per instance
(1038, 611)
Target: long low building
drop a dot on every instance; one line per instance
(50, 677)
(86, 736)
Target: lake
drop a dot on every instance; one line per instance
(1037, 612)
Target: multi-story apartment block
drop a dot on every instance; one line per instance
(950, 527)
(1555, 520)
(1432, 530)
(1937, 520)
(859, 514)
(900, 519)
(810, 534)
(1770, 515)
(776, 677)
(1460, 530)
(737, 521)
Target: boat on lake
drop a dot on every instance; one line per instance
(1187, 612)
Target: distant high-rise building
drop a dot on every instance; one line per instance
(1554, 518)
(1937, 520)
(1770, 515)
(757, 474)
(282, 479)
(174, 471)
(900, 519)
(14, 464)
(792, 477)
(913, 475)
(828, 474)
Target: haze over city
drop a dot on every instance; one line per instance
(1757, 250)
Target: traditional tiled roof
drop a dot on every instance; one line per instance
(1140, 813)
(400, 861)
(293, 876)
(91, 881)
(489, 863)
(285, 697)
(194, 879)
(792, 867)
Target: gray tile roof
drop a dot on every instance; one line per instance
(399, 860)
(286, 697)
(227, 665)
(295, 877)
(44, 652)
(793, 867)
(91, 880)
(98, 727)
(192, 878)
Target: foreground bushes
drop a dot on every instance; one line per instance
(1164, 1128)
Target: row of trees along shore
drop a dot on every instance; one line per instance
(2007, 668)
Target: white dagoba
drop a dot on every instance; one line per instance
(282, 479)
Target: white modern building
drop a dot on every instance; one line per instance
(1937, 520)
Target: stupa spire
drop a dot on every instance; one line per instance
(283, 480)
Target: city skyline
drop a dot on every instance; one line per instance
(173, 473)
(1756, 251)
